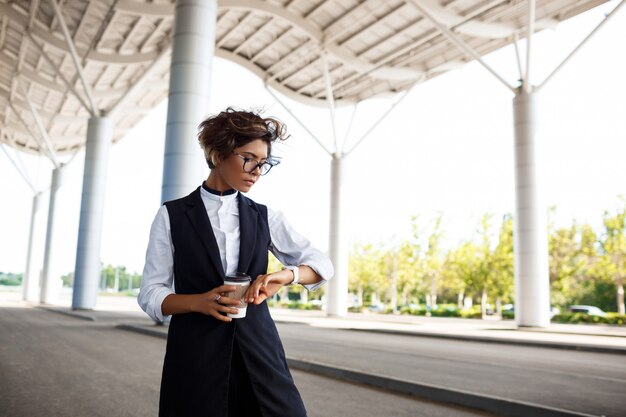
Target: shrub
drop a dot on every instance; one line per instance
(575, 318)
(405, 310)
(11, 280)
(446, 311)
(471, 313)
(508, 314)
(297, 305)
(449, 310)
(415, 311)
(614, 318)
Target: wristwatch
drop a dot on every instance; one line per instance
(296, 274)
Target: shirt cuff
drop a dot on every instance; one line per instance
(155, 312)
(317, 285)
(313, 287)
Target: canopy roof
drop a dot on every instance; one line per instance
(367, 48)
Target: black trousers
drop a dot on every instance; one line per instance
(241, 398)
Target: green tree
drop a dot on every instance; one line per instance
(573, 263)
(273, 264)
(463, 264)
(117, 278)
(433, 261)
(10, 278)
(564, 262)
(459, 270)
(366, 274)
(596, 286)
(613, 244)
(409, 281)
(502, 275)
(484, 265)
(416, 263)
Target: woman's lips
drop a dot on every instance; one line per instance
(249, 182)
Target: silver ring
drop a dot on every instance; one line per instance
(217, 297)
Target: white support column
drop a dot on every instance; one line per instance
(87, 269)
(51, 280)
(34, 257)
(190, 82)
(338, 286)
(532, 281)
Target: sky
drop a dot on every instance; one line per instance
(446, 149)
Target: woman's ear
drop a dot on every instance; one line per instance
(215, 159)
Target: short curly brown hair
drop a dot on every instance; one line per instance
(220, 134)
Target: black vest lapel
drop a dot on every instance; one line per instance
(248, 218)
(198, 216)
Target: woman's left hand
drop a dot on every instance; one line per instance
(265, 286)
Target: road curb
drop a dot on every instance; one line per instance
(501, 406)
(482, 339)
(71, 313)
(150, 331)
(486, 339)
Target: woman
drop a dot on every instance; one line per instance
(215, 365)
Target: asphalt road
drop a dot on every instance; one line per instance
(56, 365)
(593, 383)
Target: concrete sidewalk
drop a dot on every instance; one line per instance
(328, 358)
(592, 338)
(604, 339)
(55, 365)
(123, 313)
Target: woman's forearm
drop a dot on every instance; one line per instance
(179, 304)
(308, 275)
(191, 303)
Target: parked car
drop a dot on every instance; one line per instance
(376, 308)
(591, 310)
(509, 309)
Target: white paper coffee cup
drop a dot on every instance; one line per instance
(241, 282)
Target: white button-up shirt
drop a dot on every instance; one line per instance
(289, 247)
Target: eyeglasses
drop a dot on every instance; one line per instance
(251, 164)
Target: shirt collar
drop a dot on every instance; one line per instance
(215, 195)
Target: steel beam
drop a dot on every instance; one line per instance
(580, 45)
(459, 42)
(526, 85)
(79, 69)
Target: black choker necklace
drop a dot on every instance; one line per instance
(212, 191)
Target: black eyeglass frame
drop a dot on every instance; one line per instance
(260, 165)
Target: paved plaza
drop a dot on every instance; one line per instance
(108, 362)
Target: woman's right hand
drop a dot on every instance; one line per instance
(214, 303)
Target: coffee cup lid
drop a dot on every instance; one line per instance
(238, 277)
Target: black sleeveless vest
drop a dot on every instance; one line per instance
(199, 348)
